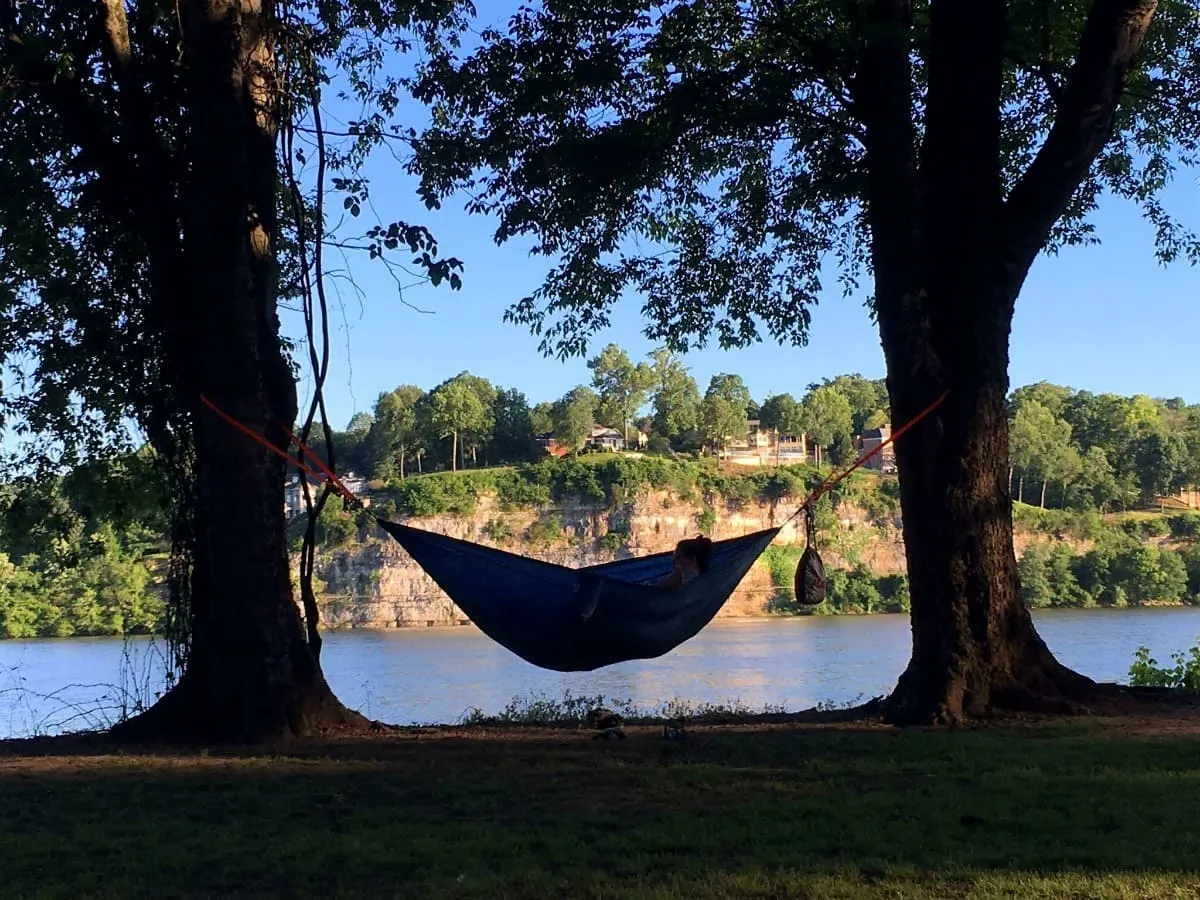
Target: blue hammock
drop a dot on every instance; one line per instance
(576, 620)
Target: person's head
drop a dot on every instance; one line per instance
(694, 552)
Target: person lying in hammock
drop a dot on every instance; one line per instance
(691, 559)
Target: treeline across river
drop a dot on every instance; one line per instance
(83, 553)
(1069, 449)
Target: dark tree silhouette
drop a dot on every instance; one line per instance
(144, 243)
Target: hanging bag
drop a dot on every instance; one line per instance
(810, 574)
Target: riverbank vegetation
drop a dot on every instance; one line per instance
(833, 811)
(84, 554)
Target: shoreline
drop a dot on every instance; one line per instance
(467, 624)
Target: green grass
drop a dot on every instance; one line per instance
(790, 812)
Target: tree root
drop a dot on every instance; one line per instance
(1045, 689)
(187, 715)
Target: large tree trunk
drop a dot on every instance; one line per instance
(950, 256)
(251, 673)
(974, 644)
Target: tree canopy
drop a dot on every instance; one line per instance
(728, 139)
(573, 417)
(622, 386)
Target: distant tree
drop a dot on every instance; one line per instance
(1036, 589)
(360, 423)
(1095, 487)
(1148, 574)
(827, 414)
(1063, 466)
(542, 417)
(455, 409)
(622, 386)
(841, 449)
(1116, 424)
(353, 444)
(394, 430)
(574, 416)
(782, 413)
(512, 436)
(1161, 462)
(733, 389)
(721, 419)
(1033, 439)
(675, 397)
(479, 435)
(877, 419)
(867, 397)
(1191, 437)
(1052, 396)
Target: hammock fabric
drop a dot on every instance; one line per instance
(576, 620)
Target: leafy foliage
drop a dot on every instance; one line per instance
(1185, 674)
(1118, 572)
(708, 155)
(622, 387)
(573, 417)
(1101, 451)
(83, 555)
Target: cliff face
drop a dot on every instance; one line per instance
(374, 583)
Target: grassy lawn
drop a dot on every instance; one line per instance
(1080, 810)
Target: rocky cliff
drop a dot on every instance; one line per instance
(372, 582)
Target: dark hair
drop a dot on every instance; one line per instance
(699, 548)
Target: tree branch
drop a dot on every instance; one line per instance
(1110, 42)
(83, 121)
(116, 28)
(882, 96)
(1053, 88)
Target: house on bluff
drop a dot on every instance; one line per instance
(600, 437)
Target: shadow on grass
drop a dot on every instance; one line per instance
(1076, 810)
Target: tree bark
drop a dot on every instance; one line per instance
(1042, 505)
(950, 257)
(251, 673)
(454, 451)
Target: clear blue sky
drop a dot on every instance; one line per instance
(1106, 318)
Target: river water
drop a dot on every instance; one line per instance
(432, 675)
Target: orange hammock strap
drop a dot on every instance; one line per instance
(320, 463)
(324, 471)
(831, 483)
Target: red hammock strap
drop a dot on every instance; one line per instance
(324, 473)
(320, 463)
(830, 484)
